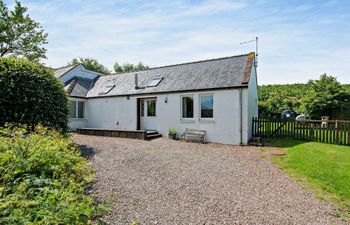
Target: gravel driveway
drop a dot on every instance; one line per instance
(172, 182)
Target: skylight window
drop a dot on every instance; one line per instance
(107, 89)
(154, 82)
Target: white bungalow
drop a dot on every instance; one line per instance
(216, 95)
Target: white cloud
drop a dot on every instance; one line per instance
(212, 6)
(296, 43)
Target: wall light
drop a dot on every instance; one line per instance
(166, 99)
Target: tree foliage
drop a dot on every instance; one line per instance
(128, 67)
(90, 64)
(31, 94)
(325, 96)
(317, 98)
(20, 36)
(273, 99)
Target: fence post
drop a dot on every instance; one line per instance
(337, 139)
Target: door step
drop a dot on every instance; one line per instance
(152, 134)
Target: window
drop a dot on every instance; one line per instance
(207, 106)
(151, 107)
(154, 82)
(80, 109)
(77, 109)
(107, 89)
(187, 107)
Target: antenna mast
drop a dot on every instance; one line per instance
(256, 48)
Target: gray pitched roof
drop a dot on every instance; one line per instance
(59, 72)
(78, 87)
(202, 75)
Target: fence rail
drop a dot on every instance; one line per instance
(330, 131)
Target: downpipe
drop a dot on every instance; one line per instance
(241, 117)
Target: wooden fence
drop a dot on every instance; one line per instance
(329, 131)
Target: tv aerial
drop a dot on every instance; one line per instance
(256, 40)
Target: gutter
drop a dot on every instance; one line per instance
(169, 92)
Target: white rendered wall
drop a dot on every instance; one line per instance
(253, 108)
(113, 113)
(224, 128)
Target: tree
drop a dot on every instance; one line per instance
(128, 67)
(90, 64)
(20, 36)
(31, 94)
(325, 96)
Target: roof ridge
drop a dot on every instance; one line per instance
(186, 63)
(71, 86)
(65, 66)
(199, 61)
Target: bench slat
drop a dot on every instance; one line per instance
(193, 131)
(198, 134)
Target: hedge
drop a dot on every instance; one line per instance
(31, 94)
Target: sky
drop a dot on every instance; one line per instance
(298, 40)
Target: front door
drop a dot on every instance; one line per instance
(148, 114)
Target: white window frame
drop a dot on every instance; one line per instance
(77, 109)
(200, 107)
(181, 108)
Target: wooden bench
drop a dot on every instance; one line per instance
(193, 133)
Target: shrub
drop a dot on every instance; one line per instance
(172, 130)
(31, 94)
(43, 179)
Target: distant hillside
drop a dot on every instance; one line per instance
(273, 99)
(293, 90)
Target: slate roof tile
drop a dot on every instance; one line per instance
(208, 74)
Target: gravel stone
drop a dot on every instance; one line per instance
(171, 182)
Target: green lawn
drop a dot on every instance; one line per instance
(323, 167)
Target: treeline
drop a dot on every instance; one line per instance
(94, 65)
(316, 98)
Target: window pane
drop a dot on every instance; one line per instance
(187, 107)
(107, 89)
(151, 108)
(73, 109)
(154, 82)
(207, 106)
(80, 109)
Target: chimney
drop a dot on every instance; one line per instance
(136, 85)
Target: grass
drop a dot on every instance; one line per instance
(325, 168)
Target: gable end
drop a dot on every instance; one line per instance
(248, 68)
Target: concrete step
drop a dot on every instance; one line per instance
(153, 136)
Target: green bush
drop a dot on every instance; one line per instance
(43, 179)
(31, 94)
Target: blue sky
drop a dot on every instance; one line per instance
(298, 40)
